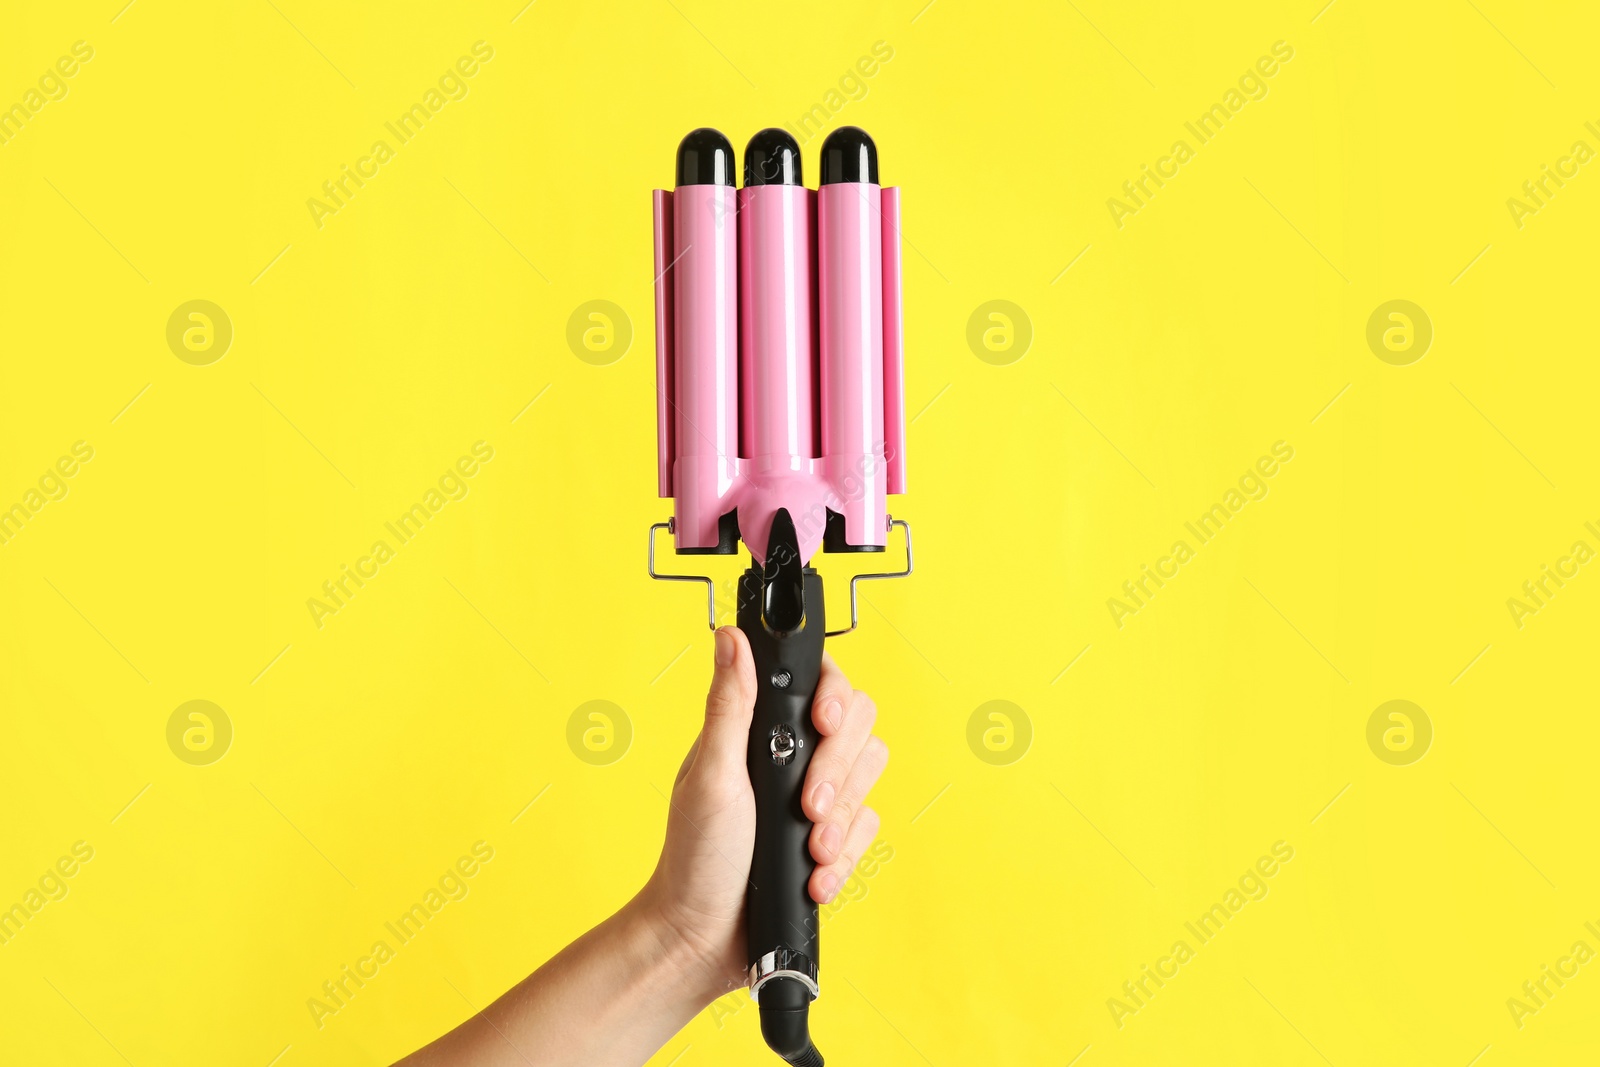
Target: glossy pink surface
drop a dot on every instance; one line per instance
(755, 411)
(894, 388)
(661, 204)
(776, 360)
(850, 307)
(704, 357)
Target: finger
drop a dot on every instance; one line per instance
(831, 699)
(826, 880)
(837, 754)
(730, 701)
(827, 837)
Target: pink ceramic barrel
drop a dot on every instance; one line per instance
(850, 284)
(894, 386)
(705, 353)
(776, 361)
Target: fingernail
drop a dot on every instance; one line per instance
(823, 798)
(830, 839)
(724, 648)
(829, 885)
(833, 712)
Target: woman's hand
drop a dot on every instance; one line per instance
(615, 995)
(697, 891)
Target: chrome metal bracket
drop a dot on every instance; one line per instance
(784, 962)
(711, 586)
(870, 577)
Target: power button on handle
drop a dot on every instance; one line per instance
(783, 745)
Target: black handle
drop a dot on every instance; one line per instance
(782, 739)
(781, 917)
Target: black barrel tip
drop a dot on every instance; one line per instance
(772, 158)
(848, 155)
(705, 158)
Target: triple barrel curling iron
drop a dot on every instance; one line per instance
(780, 421)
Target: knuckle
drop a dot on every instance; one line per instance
(864, 709)
(868, 819)
(725, 697)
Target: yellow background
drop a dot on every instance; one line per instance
(1228, 314)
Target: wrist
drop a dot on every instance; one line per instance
(692, 968)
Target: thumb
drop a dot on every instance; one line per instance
(731, 700)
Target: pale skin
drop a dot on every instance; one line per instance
(619, 992)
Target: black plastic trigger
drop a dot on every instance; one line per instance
(783, 594)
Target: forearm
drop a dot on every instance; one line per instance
(609, 999)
